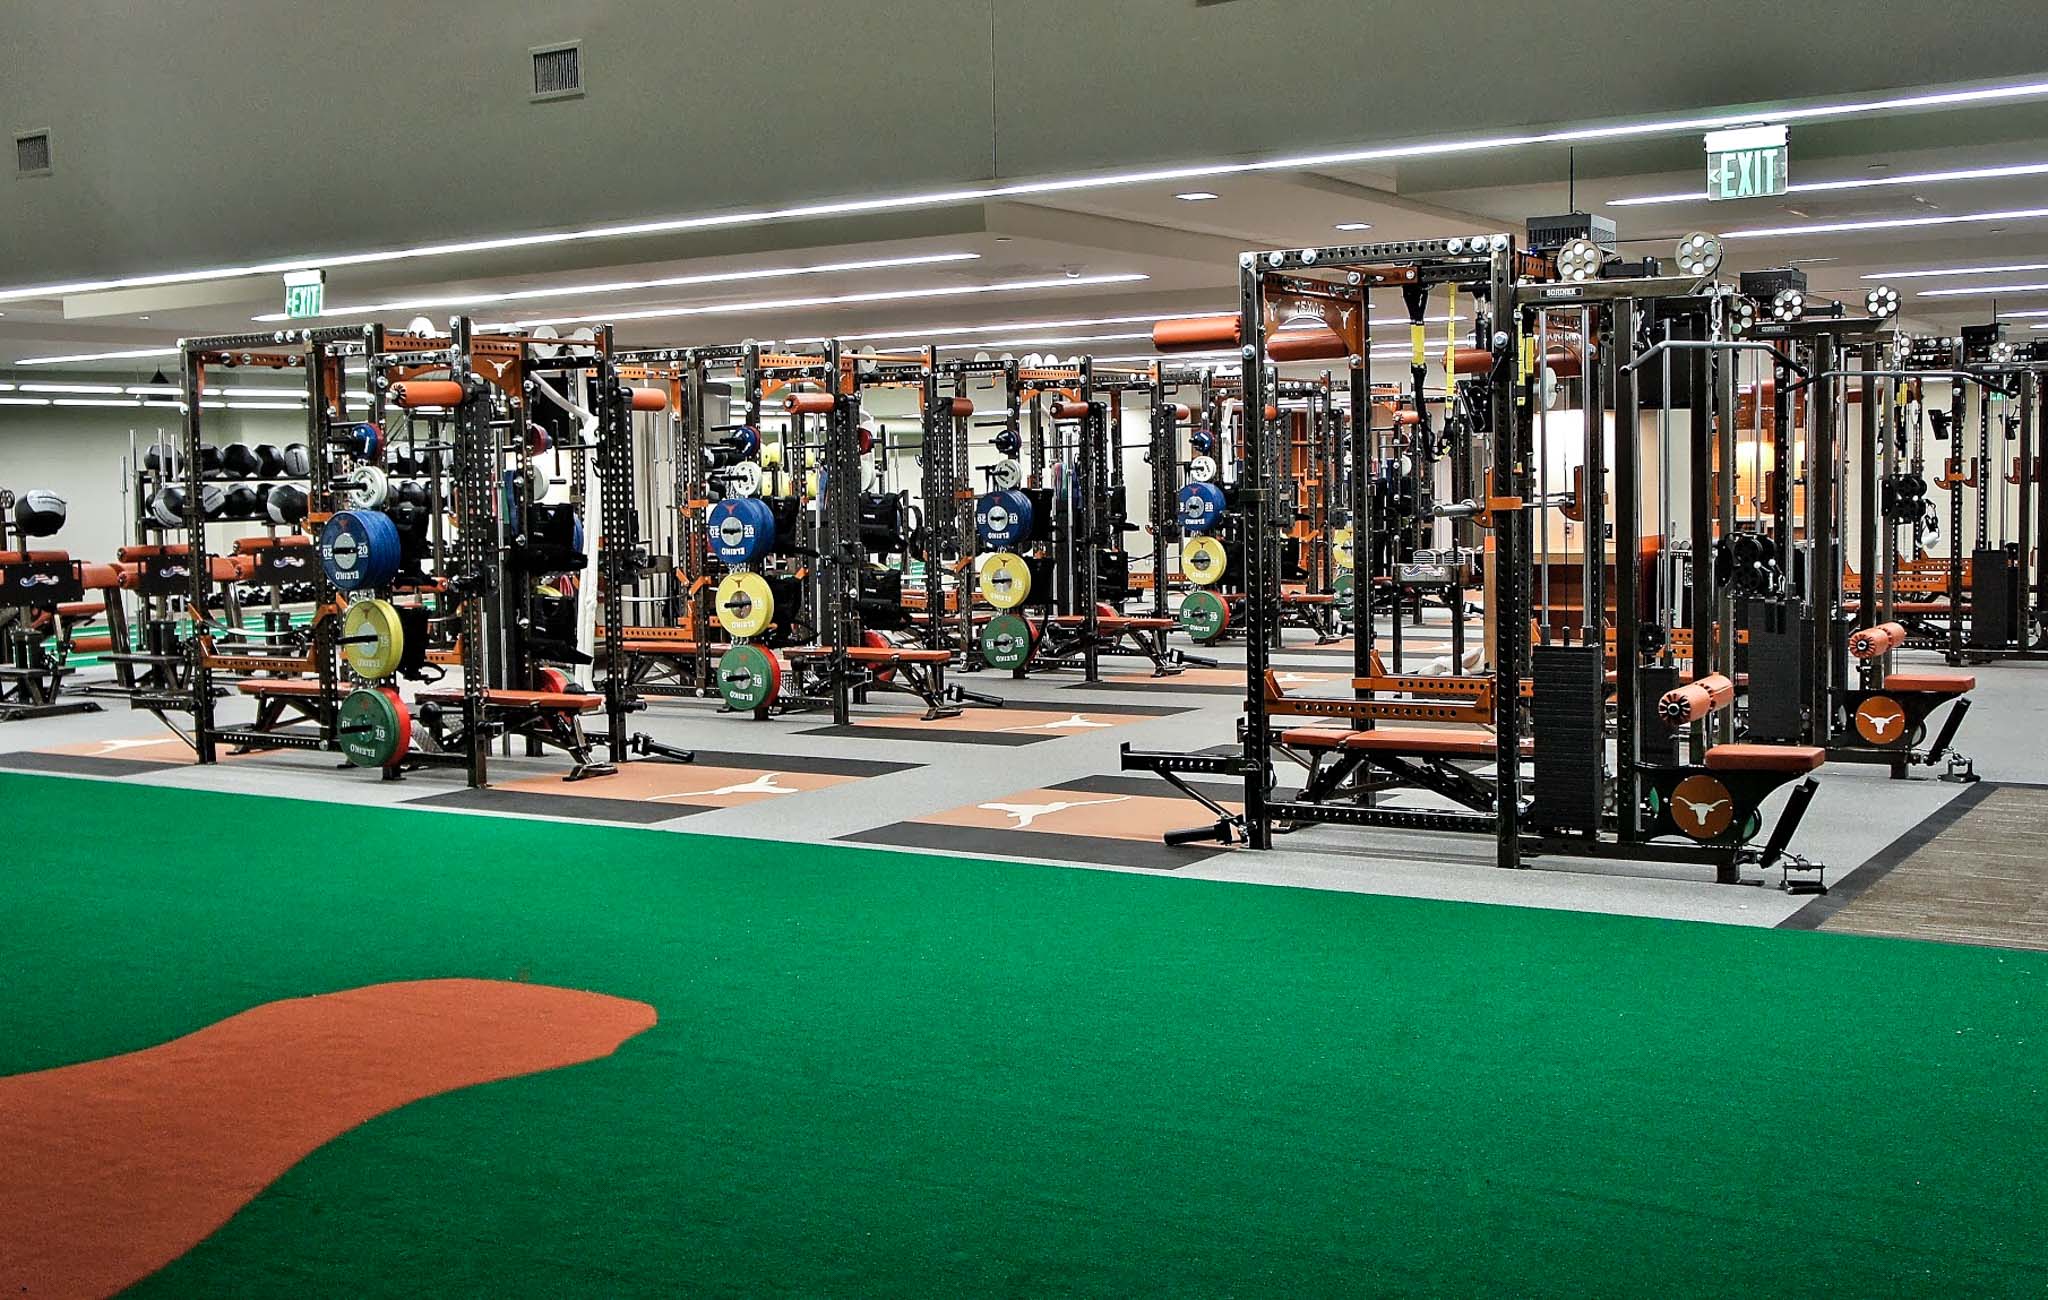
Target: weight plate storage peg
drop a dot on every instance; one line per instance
(376, 727)
(359, 549)
(745, 605)
(749, 678)
(742, 530)
(1201, 507)
(1003, 519)
(373, 639)
(1204, 615)
(1203, 560)
(1006, 580)
(1007, 641)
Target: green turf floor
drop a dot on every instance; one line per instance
(885, 1074)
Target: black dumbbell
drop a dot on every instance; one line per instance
(286, 504)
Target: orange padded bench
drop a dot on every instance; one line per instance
(537, 701)
(1764, 758)
(278, 686)
(873, 654)
(81, 609)
(1912, 606)
(1116, 622)
(1307, 598)
(1433, 742)
(1931, 683)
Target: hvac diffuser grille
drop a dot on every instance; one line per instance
(32, 154)
(558, 71)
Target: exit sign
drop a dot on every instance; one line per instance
(305, 293)
(1750, 162)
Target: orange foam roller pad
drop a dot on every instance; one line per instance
(808, 403)
(1471, 361)
(1870, 642)
(1691, 703)
(648, 399)
(1307, 345)
(430, 392)
(1196, 333)
(99, 577)
(1069, 410)
(960, 407)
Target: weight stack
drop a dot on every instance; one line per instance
(1571, 746)
(1994, 599)
(1780, 648)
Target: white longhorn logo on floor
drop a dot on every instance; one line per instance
(1027, 813)
(762, 784)
(116, 746)
(1064, 724)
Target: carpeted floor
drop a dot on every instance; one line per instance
(882, 1074)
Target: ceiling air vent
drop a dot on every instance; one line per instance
(557, 71)
(32, 154)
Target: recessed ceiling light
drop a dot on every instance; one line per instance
(1354, 225)
(1195, 196)
(1857, 183)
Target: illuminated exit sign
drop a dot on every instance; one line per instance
(1750, 162)
(305, 293)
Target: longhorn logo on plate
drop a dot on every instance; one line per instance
(1880, 720)
(1702, 807)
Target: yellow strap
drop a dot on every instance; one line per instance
(1416, 336)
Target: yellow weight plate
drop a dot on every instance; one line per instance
(1202, 560)
(1006, 580)
(745, 605)
(373, 639)
(1340, 547)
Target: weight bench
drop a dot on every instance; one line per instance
(667, 661)
(543, 717)
(1425, 757)
(275, 695)
(923, 673)
(1716, 802)
(1315, 611)
(1061, 637)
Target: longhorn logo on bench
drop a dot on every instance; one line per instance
(1702, 807)
(1880, 720)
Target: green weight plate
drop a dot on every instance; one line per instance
(1006, 642)
(376, 727)
(749, 678)
(1343, 589)
(1204, 615)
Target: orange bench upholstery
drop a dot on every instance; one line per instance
(1932, 683)
(1434, 742)
(288, 686)
(1307, 598)
(537, 701)
(873, 654)
(81, 609)
(1765, 758)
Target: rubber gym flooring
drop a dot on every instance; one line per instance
(723, 1066)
